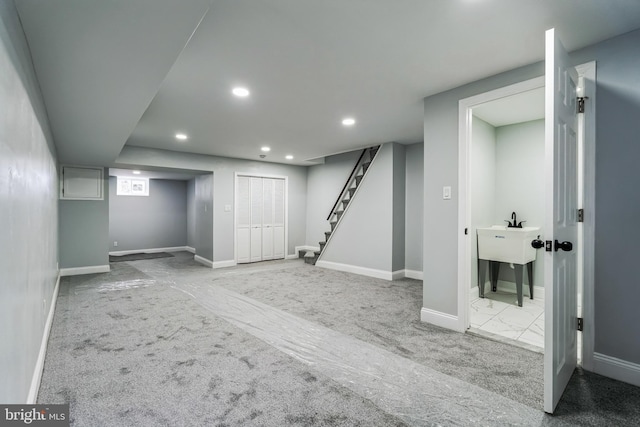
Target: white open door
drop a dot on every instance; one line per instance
(560, 260)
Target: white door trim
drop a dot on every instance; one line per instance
(286, 208)
(588, 73)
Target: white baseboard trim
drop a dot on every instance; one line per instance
(37, 371)
(438, 318)
(398, 274)
(363, 271)
(292, 256)
(203, 261)
(223, 264)
(153, 250)
(413, 274)
(617, 369)
(76, 271)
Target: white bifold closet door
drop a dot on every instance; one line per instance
(260, 219)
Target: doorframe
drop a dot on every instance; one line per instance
(465, 121)
(587, 72)
(235, 208)
(465, 114)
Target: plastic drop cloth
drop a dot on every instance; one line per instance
(411, 391)
(125, 284)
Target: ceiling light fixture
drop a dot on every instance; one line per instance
(136, 172)
(241, 92)
(266, 149)
(181, 136)
(348, 121)
(288, 157)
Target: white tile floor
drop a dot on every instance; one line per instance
(499, 315)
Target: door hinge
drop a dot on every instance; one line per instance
(580, 104)
(580, 215)
(580, 323)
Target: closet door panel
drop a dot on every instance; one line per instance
(256, 219)
(243, 220)
(278, 219)
(267, 218)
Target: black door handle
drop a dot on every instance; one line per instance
(565, 246)
(537, 243)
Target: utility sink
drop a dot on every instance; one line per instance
(507, 244)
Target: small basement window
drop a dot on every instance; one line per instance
(81, 183)
(132, 187)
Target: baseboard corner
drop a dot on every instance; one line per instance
(438, 318)
(203, 261)
(413, 274)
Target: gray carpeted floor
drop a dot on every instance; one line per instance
(128, 348)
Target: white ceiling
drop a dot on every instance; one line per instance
(523, 107)
(138, 71)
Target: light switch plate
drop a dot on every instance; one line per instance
(446, 192)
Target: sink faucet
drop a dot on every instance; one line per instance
(514, 223)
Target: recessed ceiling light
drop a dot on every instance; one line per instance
(181, 136)
(136, 172)
(348, 121)
(288, 157)
(266, 149)
(241, 92)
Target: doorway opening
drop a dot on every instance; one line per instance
(506, 205)
(468, 290)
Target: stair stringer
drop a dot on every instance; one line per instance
(362, 238)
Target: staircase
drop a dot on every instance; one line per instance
(339, 207)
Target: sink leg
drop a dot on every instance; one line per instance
(530, 273)
(482, 274)
(495, 271)
(519, 277)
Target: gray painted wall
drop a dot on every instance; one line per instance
(504, 177)
(28, 213)
(84, 231)
(617, 202)
(399, 177)
(440, 292)
(324, 183)
(617, 175)
(191, 213)
(364, 237)
(204, 213)
(223, 188)
(155, 221)
(414, 184)
(519, 183)
(482, 182)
